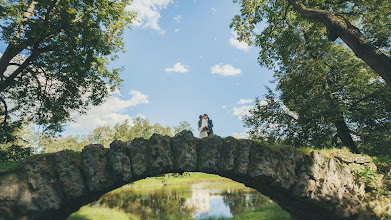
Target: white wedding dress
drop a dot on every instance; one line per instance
(204, 123)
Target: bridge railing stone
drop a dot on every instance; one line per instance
(52, 186)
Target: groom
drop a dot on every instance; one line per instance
(210, 125)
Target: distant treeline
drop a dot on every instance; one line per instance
(28, 141)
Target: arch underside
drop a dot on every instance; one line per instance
(310, 186)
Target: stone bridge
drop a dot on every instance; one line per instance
(308, 186)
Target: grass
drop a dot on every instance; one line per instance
(100, 213)
(8, 166)
(188, 177)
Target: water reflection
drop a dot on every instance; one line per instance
(205, 200)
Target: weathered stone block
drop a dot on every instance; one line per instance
(209, 154)
(161, 154)
(227, 155)
(96, 167)
(242, 155)
(119, 158)
(69, 173)
(184, 147)
(139, 156)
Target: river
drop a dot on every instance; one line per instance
(221, 199)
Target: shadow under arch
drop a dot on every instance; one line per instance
(52, 186)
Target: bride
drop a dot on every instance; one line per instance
(203, 126)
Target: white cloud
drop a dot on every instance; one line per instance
(179, 68)
(238, 44)
(224, 107)
(242, 135)
(148, 12)
(176, 30)
(178, 18)
(109, 113)
(213, 11)
(225, 70)
(137, 98)
(244, 101)
(242, 111)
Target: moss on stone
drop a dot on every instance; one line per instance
(8, 166)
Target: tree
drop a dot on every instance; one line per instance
(48, 142)
(334, 18)
(14, 146)
(102, 135)
(324, 96)
(57, 56)
(140, 127)
(183, 126)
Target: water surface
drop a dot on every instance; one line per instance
(203, 200)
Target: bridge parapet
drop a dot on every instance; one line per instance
(308, 186)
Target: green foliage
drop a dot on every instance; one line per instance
(8, 166)
(368, 175)
(14, 153)
(279, 39)
(270, 212)
(140, 127)
(61, 51)
(183, 126)
(382, 159)
(319, 93)
(325, 95)
(13, 144)
(125, 131)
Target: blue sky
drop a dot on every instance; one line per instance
(182, 60)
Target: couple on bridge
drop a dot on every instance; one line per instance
(205, 126)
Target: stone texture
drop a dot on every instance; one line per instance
(119, 158)
(184, 148)
(45, 193)
(209, 154)
(139, 156)
(67, 167)
(96, 167)
(160, 154)
(242, 155)
(308, 186)
(227, 161)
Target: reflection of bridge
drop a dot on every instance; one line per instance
(307, 186)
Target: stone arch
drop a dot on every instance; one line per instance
(52, 186)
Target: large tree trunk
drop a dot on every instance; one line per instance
(339, 27)
(343, 133)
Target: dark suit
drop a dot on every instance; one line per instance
(210, 127)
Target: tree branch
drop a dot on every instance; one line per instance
(3, 124)
(7, 82)
(351, 35)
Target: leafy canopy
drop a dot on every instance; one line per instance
(57, 57)
(283, 19)
(318, 92)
